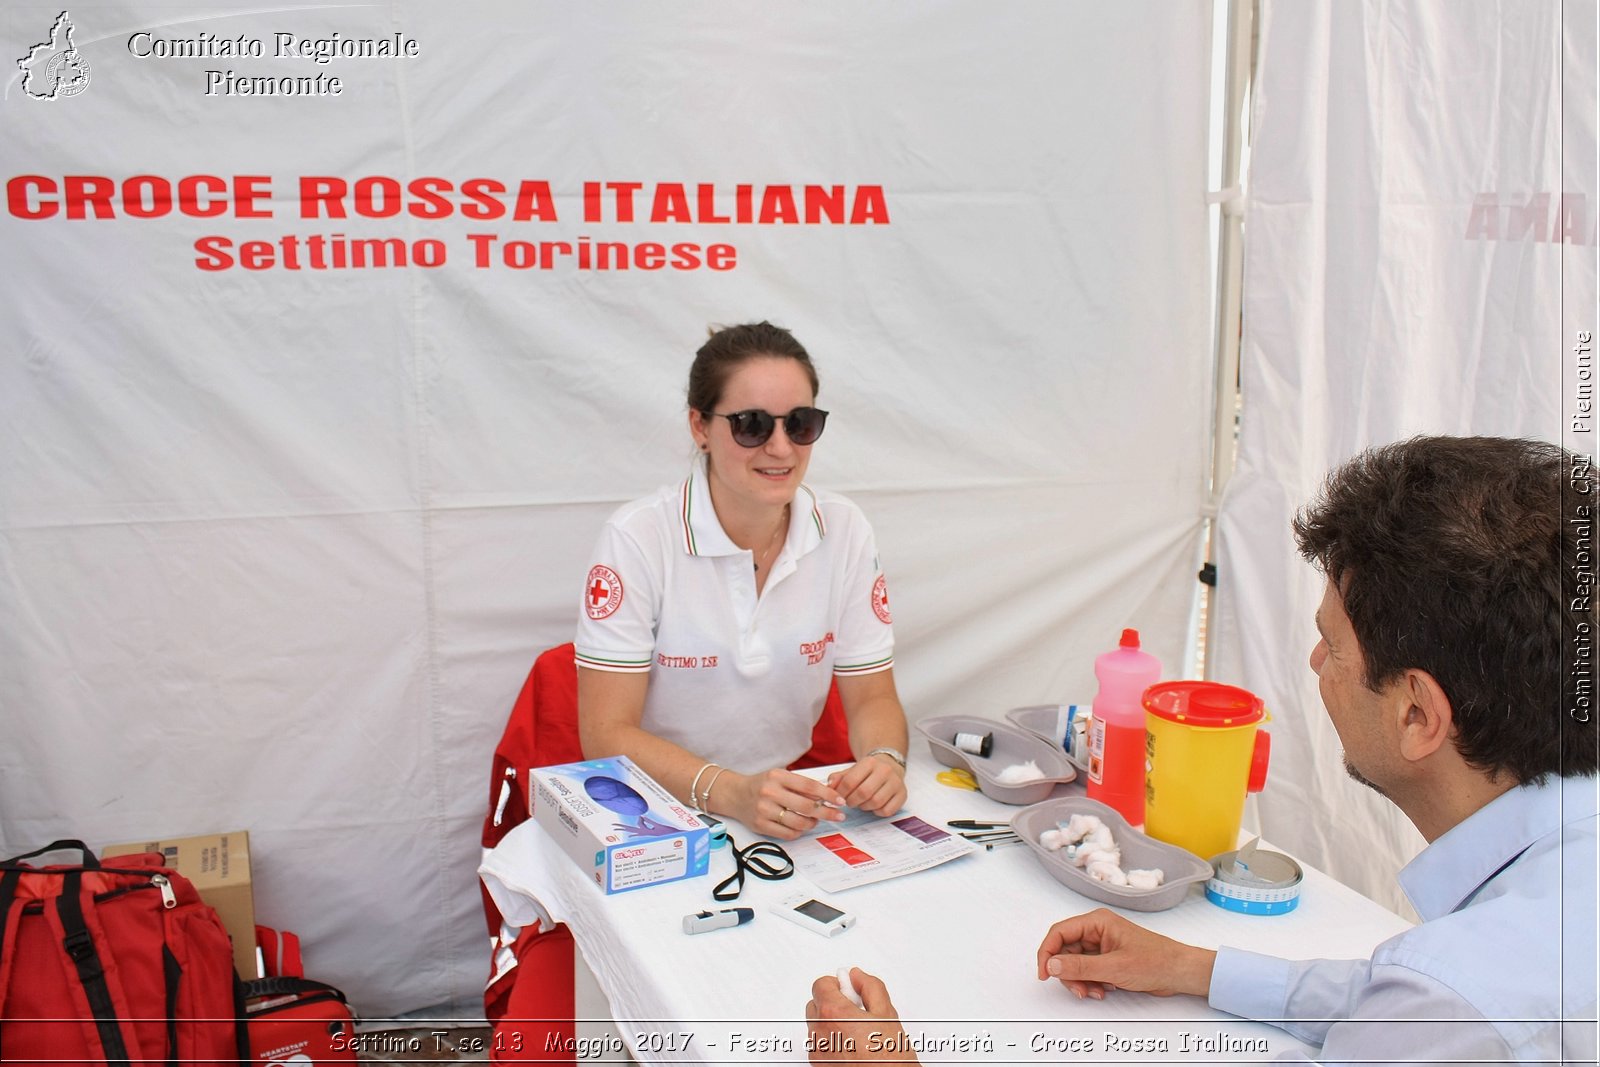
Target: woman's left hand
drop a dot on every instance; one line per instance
(876, 784)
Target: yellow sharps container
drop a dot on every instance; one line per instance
(1204, 752)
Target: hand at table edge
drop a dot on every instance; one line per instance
(1101, 950)
(838, 1031)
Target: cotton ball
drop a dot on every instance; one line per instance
(1107, 871)
(1141, 879)
(1100, 837)
(848, 988)
(1018, 773)
(1087, 856)
(1080, 826)
(1052, 840)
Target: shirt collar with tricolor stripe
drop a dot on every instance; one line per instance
(703, 534)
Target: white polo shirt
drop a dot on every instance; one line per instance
(738, 679)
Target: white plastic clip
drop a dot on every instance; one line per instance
(1231, 199)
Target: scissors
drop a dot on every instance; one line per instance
(958, 777)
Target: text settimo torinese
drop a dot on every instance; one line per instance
(147, 196)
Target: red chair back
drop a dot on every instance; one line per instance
(541, 731)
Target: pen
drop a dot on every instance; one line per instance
(975, 824)
(717, 920)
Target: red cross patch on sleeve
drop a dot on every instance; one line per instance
(602, 592)
(880, 600)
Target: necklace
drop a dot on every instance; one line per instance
(766, 553)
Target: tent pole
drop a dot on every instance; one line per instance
(1230, 271)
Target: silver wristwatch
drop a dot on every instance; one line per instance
(893, 753)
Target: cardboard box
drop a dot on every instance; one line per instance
(618, 824)
(219, 867)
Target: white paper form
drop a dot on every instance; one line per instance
(865, 848)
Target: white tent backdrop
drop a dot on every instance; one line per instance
(277, 545)
(1412, 267)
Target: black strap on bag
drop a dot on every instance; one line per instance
(172, 974)
(241, 1025)
(65, 845)
(288, 985)
(80, 947)
(8, 892)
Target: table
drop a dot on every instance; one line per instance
(956, 946)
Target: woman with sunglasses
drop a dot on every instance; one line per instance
(718, 611)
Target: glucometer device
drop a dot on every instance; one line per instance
(815, 915)
(700, 922)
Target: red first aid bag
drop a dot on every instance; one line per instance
(112, 964)
(295, 1020)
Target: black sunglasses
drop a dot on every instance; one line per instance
(752, 428)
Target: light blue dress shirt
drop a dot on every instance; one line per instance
(1502, 968)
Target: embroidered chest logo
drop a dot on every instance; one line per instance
(602, 593)
(880, 600)
(813, 651)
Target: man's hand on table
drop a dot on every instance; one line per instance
(840, 1031)
(1092, 953)
(1088, 954)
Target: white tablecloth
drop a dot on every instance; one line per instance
(956, 946)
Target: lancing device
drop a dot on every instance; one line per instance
(717, 920)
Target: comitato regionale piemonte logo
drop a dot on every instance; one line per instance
(54, 69)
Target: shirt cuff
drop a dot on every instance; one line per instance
(617, 662)
(1249, 984)
(870, 664)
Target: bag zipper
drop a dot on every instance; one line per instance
(169, 898)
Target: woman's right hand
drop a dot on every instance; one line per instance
(782, 804)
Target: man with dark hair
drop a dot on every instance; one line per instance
(1456, 664)
(1446, 556)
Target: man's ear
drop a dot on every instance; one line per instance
(1422, 714)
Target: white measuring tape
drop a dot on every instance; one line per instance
(1254, 882)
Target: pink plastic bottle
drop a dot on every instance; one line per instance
(1116, 737)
